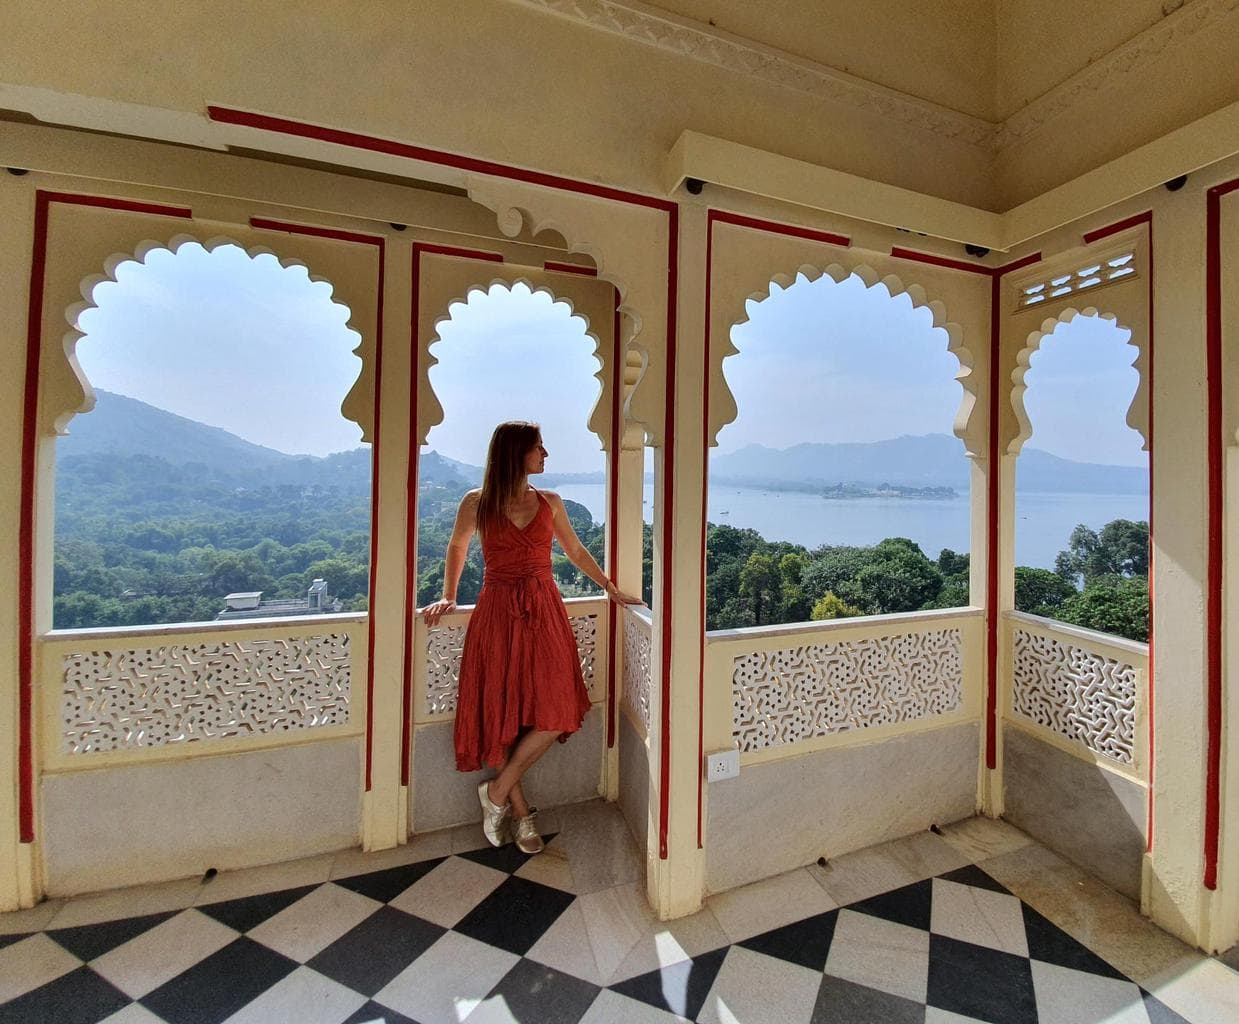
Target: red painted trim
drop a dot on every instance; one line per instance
(314, 231)
(110, 203)
(373, 144)
(569, 268)
(410, 495)
(992, 491)
(1216, 496)
(668, 515)
(25, 597)
(1152, 533)
(452, 250)
(1113, 229)
(617, 389)
(934, 260)
(778, 228)
(43, 201)
(1020, 264)
(711, 219)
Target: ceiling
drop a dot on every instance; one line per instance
(985, 58)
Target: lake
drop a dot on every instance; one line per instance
(1043, 525)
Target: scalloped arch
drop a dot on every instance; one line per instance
(620, 250)
(967, 426)
(599, 417)
(1137, 412)
(352, 407)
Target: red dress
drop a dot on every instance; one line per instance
(519, 667)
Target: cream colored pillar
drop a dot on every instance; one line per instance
(676, 877)
(1176, 896)
(386, 803)
(17, 886)
(627, 560)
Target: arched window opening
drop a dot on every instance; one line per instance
(840, 489)
(511, 353)
(215, 477)
(1082, 484)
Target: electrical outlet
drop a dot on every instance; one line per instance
(722, 764)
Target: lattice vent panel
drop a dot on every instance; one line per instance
(779, 697)
(445, 644)
(158, 696)
(1081, 695)
(1083, 279)
(637, 647)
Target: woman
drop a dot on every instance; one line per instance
(520, 674)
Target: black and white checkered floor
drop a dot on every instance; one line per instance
(492, 936)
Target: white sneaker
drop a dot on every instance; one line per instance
(526, 834)
(492, 816)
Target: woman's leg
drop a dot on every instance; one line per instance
(506, 785)
(520, 806)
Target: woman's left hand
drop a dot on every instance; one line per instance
(618, 596)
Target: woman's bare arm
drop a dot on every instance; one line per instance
(457, 552)
(578, 554)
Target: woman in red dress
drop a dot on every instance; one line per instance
(520, 673)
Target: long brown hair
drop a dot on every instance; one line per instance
(505, 469)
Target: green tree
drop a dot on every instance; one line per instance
(1120, 549)
(831, 607)
(899, 578)
(760, 584)
(1039, 591)
(1112, 604)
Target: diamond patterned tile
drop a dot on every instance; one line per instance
(804, 942)
(493, 935)
(839, 1000)
(161, 953)
(219, 986)
(515, 915)
(305, 996)
(447, 982)
(89, 941)
(375, 951)
(249, 912)
(1050, 944)
(79, 997)
(909, 905)
(881, 954)
(978, 982)
(34, 961)
(450, 891)
(680, 988)
(533, 991)
(386, 885)
(314, 922)
(373, 1013)
(759, 989)
(1065, 996)
(979, 916)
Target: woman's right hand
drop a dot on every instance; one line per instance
(432, 613)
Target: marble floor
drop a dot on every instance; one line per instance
(974, 923)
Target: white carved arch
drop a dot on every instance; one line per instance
(599, 421)
(628, 246)
(723, 410)
(1137, 412)
(80, 397)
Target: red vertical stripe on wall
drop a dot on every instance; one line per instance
(27, 477)
(617, 394)
(668, 515)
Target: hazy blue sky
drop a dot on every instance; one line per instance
(263, 352)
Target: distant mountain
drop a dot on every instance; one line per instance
(932, 460)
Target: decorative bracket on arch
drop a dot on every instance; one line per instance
(968, 427)
(66, 391)
(1137, 412)
(628, 244)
